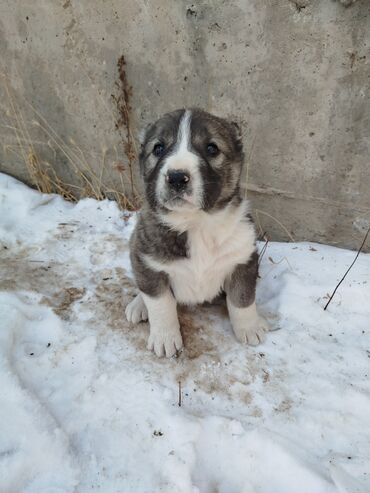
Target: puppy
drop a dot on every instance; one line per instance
(194, 237)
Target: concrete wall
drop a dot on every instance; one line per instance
(296, 74)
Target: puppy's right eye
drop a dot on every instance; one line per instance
(212, 150)
(158, 150)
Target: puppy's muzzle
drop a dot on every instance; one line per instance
(177, 180)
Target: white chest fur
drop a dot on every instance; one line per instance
(217, 243)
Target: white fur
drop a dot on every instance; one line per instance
(248, 326)
(217, 243)
(185, 160)
(165, 337)
(136, 310)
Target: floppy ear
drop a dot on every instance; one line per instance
(237, 133)
(237, 130)
(243, 173)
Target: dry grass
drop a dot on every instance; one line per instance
(90, 178)
(264, 213)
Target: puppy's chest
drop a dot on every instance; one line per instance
(212, 256)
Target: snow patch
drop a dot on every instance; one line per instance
(84, 406)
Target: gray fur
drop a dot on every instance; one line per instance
(241, 287)
(220, 177)
(152, 237)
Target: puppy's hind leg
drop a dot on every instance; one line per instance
(249, 327)
(136, 310)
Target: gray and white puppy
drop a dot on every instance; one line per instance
(194, 237)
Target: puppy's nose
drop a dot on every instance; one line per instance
(177, 179)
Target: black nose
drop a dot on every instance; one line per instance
(177, 179)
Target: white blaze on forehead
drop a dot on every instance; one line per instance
(183, 135)
(182, 158)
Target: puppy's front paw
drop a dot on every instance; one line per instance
(248, 326)
(136, 310)
(252, 332)
(164, 341)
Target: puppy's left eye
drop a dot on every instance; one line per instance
(212, 150)
(158, 150)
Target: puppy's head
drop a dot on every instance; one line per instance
(191, 159)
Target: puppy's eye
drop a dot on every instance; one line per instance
(158, 150)
(212, 150)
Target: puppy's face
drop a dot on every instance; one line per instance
(191, 160)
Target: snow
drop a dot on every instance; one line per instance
(85, 407)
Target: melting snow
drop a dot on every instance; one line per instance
(85, 407)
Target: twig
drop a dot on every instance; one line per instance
(264, 248)
(180, 396)
(262, 236)
(279, 262)
(349, 268)
(258, 211)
